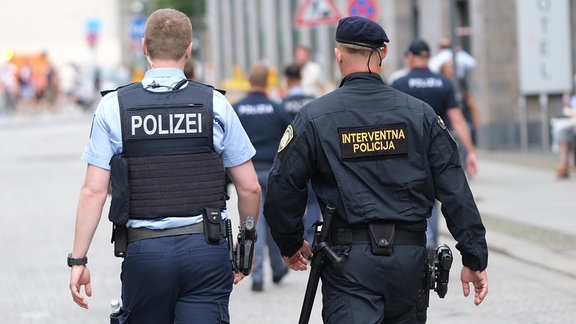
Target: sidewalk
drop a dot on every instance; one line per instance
(529, 214)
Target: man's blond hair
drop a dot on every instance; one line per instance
(258, 75)
(168, 34)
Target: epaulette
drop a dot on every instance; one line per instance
(105, 92)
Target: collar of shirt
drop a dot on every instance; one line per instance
(361, 77)
(162, 79)
(295, 91)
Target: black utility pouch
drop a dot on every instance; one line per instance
(119, 206)
(212, 224)
(120, 240)
(381, 237)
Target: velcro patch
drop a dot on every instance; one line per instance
(177, 122)
(374, 141)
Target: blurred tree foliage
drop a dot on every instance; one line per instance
(192, 8)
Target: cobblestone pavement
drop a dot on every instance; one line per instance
(531, 234)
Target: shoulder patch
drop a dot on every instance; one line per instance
(441, 122)
(286, 138)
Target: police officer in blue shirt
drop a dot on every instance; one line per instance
(176, 138)
(380, 157)
(264, 121)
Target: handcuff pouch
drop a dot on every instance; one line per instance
(381, 237)
(212, 225)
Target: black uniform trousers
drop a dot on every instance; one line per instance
(374, 289)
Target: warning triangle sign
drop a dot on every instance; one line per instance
(317, 12)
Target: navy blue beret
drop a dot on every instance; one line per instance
(360, 31)
(419, 47)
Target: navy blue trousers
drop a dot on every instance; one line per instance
(374, 289)
(176, 279)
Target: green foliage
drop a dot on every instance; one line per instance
(192, 8)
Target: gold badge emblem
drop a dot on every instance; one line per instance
(286, 138)
(441, 122)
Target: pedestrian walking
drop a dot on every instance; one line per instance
(313, 81)
(163, 144)
(294, 100)
(264, 121)
(436, 90)
(380, 157)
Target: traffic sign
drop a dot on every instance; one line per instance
(364, 8)
(93, 26)
(137, 27)
(317, 12)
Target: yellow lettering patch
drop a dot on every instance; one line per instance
(373, 141)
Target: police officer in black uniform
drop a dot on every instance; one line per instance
(380, 157)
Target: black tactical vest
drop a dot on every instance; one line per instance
(167, 138)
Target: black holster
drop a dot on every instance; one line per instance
(120, 240)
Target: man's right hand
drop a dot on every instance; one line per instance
(471, 164)
(480, 281)
(80, 276)
(299, 261)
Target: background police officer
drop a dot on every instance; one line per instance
(294, 100)
(264, 121)
(380, 157)
(437, 91)
(173, 270)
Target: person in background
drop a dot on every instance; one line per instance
(464, 61)
(466, 100)
(294, 100)
(566, 141)
(565, 136)
(189, 70)
(313, 81)
(264, 121)
(438, 91)
(167, 176)
(380, 157)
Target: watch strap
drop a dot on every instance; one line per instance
(76, 261)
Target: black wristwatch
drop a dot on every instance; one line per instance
(74, 262)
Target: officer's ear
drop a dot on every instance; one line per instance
(384, 51)
(144, 50)
(188, 51)
(338, 55)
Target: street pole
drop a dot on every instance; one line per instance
(453, 47)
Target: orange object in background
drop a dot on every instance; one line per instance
(39, 66)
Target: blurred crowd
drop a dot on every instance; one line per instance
(31, 84)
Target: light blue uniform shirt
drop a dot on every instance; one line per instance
(230, 140)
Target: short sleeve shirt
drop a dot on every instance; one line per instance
(230, 140)
(432, 88)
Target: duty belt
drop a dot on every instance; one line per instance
(142, 233)
(348, 235)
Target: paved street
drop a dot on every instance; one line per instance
(530, 216)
